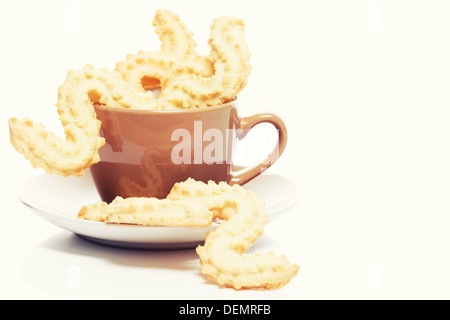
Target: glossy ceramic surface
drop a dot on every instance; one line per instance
(58, 200)
(148, 151)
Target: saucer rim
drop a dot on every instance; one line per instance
(141, 237)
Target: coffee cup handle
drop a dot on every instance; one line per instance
(245, 125)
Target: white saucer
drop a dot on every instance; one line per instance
(58, 200)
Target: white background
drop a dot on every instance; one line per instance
(363, 87)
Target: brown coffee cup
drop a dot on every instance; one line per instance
(147, 151)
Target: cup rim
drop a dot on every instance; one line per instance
(169, 111)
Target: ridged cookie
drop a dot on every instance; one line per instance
(222, 257)
(149, 212)
(76, 96)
